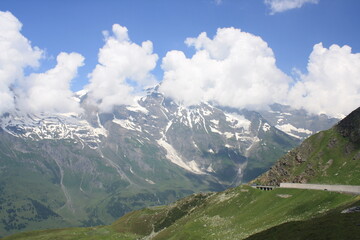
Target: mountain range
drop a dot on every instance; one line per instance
(246, 212)
(61, 170)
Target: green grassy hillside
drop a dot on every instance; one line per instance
(328, 157)
(333, 225)
(241, 212)
(90, 233)
(234, 214)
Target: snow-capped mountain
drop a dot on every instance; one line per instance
(99, 166)
(297, 122)
(52, 126)
(197, 139)
(186, 136)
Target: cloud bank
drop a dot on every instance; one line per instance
(16, 54)
(277, 6)
(123, 70)
(41, 92)
(238, 69)
(234, 69)
(123, 67)
(332, 84)
(50, 91)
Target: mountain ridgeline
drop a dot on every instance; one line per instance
(61, 170)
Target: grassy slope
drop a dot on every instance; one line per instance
(333, 225)
(91, 233)
(241, 212)
(326, 157)
(234, 214)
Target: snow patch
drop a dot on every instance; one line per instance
(127, 124)
(189, 119)
(214, 130)
(255, 140)
(102, 129)
(216, 122)
(174, 157)
(149, 181)
(204, 123)
(238, 121)
(289, 129)
(168, 126)
(195, 145)
(206, 112)
(210, 169)
(266, 127)
(229, 134)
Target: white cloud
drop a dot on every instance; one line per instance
(218, 2)
(235, 69)
(123, 67)
(332, 84)
(50, 91)
(277, 6)
(16, 54)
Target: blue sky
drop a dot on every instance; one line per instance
(76, 26)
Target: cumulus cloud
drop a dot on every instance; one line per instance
(40, 92)
(277, 6)
(235, 69)
(16, 54)
(124, 67)
(50, 91)
(332, 83)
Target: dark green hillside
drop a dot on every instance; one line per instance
(333, 225)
